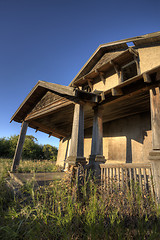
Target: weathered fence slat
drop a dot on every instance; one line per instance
(125, 176)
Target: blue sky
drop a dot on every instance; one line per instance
(52, 39)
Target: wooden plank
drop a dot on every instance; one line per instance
(104, 177)
(57, 88)
(135, 175)
(145, 179)
(125, 165)
(122, 178)
(140, 178)
(155, 117)
(108, 179)
(118, 177)
(151, 183)
(115, 174)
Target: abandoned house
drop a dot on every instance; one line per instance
(109, 113)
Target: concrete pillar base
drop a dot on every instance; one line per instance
(74, 161)
(154, 157)
(95, 161)
(96, 158)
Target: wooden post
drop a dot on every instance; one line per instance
(155, 117)
(154, 155)
(97, 137)
(20, 142)
(76, 151)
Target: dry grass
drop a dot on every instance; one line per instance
(80, 211)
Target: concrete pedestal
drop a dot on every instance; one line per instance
(73, 160)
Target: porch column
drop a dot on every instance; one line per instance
(76, 151)
(97, 137)
(154, 155)
(19, 148)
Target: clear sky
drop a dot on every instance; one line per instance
(52, 39)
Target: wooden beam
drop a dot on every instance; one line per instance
(155, 117)
(19, 148)
(102, 96)
(101, 74)
(146, 78)
(116, 92)
(54, 132)
(127, 96)
(57, 88)
(90, 84)
(131, 50)
(136, 59)
(158, 76)
(118, 70)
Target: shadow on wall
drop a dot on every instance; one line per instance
(127, 139)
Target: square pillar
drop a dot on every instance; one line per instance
(76, 151)
(97, 137)
(19, 148)
(154, 155)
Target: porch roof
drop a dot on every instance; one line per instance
(55, 118)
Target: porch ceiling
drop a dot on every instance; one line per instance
(59, 123)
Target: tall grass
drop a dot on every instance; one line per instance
(62, 211)
(29, 166)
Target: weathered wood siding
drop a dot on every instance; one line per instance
(48, 99)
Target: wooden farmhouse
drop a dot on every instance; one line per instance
(109, 113)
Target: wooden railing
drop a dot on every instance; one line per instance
(126, 177)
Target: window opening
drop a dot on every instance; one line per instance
(129, 70)
(130, 44)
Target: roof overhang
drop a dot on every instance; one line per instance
(143, 40)
(128, 98)
(41, 88)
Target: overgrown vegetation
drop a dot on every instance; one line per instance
(58, 211)
(31, 149)
(28, 166)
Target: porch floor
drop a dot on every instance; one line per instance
(39, 178)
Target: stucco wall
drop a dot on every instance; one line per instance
(149, 57)
(128, 139)
(62, 152)
(110, 82)
(125, 140)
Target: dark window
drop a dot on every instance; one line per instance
(129, 70)
(86, 88)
